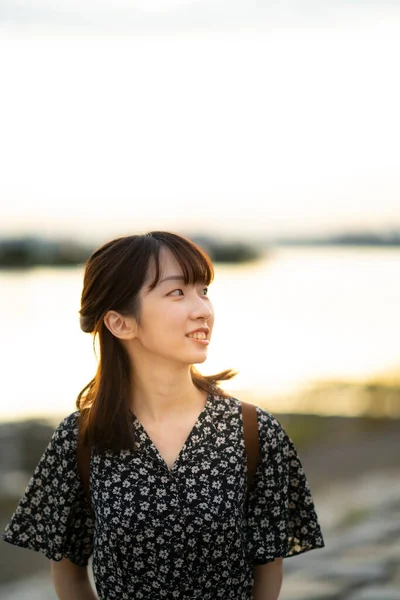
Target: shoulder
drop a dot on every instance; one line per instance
(268, 423)
(264, 418)
(66, 434)
(68, 426)
(269, 427)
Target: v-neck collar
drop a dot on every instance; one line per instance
(203, 430)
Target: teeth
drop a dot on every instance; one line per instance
(198, 335)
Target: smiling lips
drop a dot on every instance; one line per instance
(200, 336)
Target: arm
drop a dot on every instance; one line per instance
(268, 580)
(70, 581)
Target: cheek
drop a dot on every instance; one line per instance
(212, 317)
(210, 322)
(171, 319)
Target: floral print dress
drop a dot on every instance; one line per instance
(180, 533)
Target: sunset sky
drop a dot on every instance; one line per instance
(198, 115)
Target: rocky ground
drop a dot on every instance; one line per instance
(354, 470)
(361, 560)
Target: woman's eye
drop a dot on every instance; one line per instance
(179, 292)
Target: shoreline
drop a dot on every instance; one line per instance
(349, 445)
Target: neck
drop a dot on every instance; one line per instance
(160, 394)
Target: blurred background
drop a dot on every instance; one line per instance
(268, 133)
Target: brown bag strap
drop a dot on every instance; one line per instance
(83, 453)
(251, 440)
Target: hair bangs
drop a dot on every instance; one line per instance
(195, 263)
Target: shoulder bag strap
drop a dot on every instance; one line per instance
(251, 440)
(83, 453)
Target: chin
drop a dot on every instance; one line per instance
(199, 360)
(195, 358)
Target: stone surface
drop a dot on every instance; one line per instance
(369, 532)
(395, 578)
(395, 550)
(36, 588)
(389, 553)
(376, 593)
(355, 573)
(297, 587)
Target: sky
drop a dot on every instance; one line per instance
(232, 117)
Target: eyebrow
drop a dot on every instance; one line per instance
(173, 277)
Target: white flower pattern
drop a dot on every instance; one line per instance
(179, 533)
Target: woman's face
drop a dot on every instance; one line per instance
(171, 312)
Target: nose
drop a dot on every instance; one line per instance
(202, 310)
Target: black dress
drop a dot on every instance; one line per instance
(179, 533)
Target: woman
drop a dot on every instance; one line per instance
(170, 518)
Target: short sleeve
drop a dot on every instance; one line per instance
(54, 516)
(281, 518)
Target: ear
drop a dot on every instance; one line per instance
(124, 328)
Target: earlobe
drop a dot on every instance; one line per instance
(119, 325)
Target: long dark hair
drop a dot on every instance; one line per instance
(114, 275)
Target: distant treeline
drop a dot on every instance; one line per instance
(31, 252)
(346, 239)
(28, 252)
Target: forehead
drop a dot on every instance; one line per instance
(168, 266)
(186, 263)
